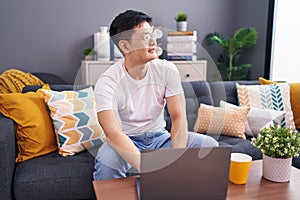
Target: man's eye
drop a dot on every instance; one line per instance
(147, 37)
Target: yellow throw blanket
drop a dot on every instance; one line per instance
(13, 81)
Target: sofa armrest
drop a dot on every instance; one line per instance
(7, 156)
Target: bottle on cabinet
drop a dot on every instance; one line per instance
(103, 44)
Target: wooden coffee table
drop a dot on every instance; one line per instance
(256, 187)
(259, 188)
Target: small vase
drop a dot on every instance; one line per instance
(181, 26)
(277, 169)
(103, 48)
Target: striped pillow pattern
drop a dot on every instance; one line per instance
(74, 119)
(274, 96)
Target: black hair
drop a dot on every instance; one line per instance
(126, 21)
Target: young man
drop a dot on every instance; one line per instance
(131, 96)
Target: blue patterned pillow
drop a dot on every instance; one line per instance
(75, 120)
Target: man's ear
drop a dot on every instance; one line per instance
(123, 44)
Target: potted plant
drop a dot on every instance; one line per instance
(181, 20)
(89, 54)
(278, 145)
(232, 48)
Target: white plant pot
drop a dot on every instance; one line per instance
(277, 169)
(181, 26)
(90, 57)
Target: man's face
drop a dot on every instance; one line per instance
(141, 44)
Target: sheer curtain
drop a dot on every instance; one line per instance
(285, 64)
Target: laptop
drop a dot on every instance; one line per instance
(184, 174)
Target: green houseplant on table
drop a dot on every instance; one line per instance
(278, 145)
(232, 48)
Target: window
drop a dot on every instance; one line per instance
(285, 62)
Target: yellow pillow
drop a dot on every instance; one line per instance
(216, 120)
(34, 129)
(264, 81)
(294, 98)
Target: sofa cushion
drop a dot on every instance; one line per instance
(258, 118)
(75, 120)
(33, 88)
(55, 177)
(49, 78)
(7, 156)
(34, 130)
(195, 92)
(226, 121)
(296, 162)
(294, 97)
(239, 145)
(247, 148)
(274, 96)
(226, 90)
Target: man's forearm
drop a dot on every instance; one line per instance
(179, 134)
(119, 141)
(126, 149)
(176, 107)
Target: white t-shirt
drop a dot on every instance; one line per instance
(140, 103)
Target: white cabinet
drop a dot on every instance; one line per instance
(191, 70)
(90, 71)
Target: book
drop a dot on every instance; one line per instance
(191, 58)
(181, 44)
(182, 38)
(181, 57)
(182, 47)
(180, 33)
(180, 53)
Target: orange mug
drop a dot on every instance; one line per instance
(239, 168)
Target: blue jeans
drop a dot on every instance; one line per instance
(109, 164)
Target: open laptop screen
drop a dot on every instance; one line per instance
(184, 173)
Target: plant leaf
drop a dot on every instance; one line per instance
(245, 37)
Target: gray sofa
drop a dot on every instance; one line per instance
(55, 177)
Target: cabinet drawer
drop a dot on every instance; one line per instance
(193, 71)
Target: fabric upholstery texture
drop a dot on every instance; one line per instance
(75, 120)
(229, 121)
(34, 131)
(258, 118)
(13, 81)
(49, 78)
(7, 156)
(226, 90)
(264, 81)
(294, 97)
(274, 96)
(53, 176)
(33, 88)
(195, 93)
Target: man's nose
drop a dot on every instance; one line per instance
(152, 41)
